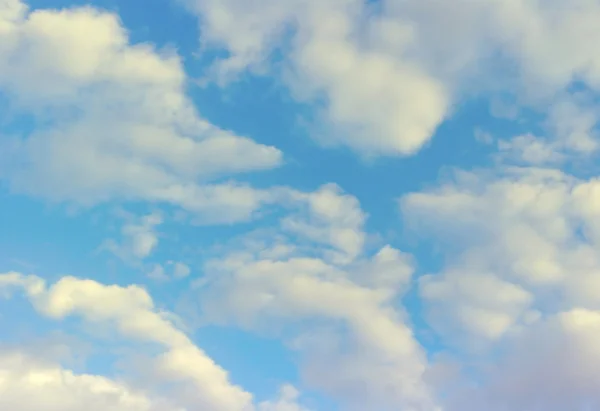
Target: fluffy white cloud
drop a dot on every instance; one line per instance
(384, 365)
(389, 269)
(195, 381)
(357, 345)
(552, 366)
(482, 304)
(529, 149)
(28, 384)
(521, 272)
(131, 311)
(378, 99)
(329, 218)
(516, 244)
(388, 73)
(519, 280)
(112, 119)
(570, 130)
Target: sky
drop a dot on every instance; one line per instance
(300, 205)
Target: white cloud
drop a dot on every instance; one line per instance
(139, 238)
(571, 135)
(259, 293)
(330, 218)
(482, 304)
(287, 401)
(132, 313)
(516, 297)
(389, 269)
(181, 377)
(378, 99)
(515, 243)
(389, 73)
(356, 344)
(552, 366)
(114, 122)
(28, 384)
(521, 273)
(529, 149)
(572, 120)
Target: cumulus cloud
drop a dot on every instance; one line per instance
(519, 281)
(529, 149)
(552, 366)
(113, 119)
(356, 343)
(570, 135)
(330, 218)
(196, 381)
(516, 244)
(132, 313)
(378, 100)
(388, 74)
(518, 287)
(29, 384)
(384, 365)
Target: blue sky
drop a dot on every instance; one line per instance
(226, 205)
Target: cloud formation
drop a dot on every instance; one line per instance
(388, 73)
(130, 312)
(503, 314)
(31, 385)
(357, 345)
(112, 119)
(521, 273)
